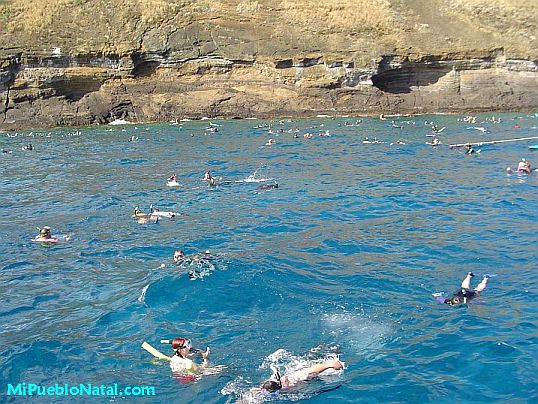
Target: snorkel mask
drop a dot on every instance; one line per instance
(273, 385)
(45, 232)
(180, 343)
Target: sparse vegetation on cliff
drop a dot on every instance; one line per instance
(89, 61)
(314, 24)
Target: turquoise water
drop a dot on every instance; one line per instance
(341, 259)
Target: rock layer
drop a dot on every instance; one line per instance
(224, 62)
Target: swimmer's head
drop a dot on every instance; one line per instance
(181, 346)
(271, 386)
(181, 343)
(45, 231)
(137, 210)
(178, 254)
(454, 300)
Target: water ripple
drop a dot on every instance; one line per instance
(343, 256)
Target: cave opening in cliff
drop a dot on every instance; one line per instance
(403, 80)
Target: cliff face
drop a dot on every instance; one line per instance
(81, 62)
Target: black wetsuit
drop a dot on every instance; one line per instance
(270, 186)
(462, 296)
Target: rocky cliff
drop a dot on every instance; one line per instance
(76, 62)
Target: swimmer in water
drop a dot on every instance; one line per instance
(524, 166)
(156, 212)
(180, 363)
(465, 294)
(172, 178)
(469, 149)
(138, 213)
(179, 256)
(288, 380)
(143, 218)
(45, 235)
(268, 186)
(197, 266)
(207, 176)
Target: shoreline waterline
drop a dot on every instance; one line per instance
(9, 127)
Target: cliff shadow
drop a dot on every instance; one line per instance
(75, 88)
(400, 81)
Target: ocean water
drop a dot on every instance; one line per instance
(341, 259)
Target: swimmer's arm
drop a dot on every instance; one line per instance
(321, 367)
(205, 363)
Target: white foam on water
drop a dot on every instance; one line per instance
(256, 176)
(286, 363)
(357, 331)
(142, 297)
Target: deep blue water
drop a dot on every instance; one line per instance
(342, 258)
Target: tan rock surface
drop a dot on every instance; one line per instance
(82, 62)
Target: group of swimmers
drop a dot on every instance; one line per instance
(185, 368)
(182, 348)
(181, 364)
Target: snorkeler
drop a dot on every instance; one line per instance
(156, 212)
(138, 213)
(198, 265)
(210, 179)
(207, 176)
(179, 256)
(288, 380)
(469, 149)
(524, 166)
(465, 294)
(182, 349)
(172, 181)
(143, 218)
(268, 186)
(45, 236)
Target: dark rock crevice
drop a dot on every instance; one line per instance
(75, 88)
(398, 81)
